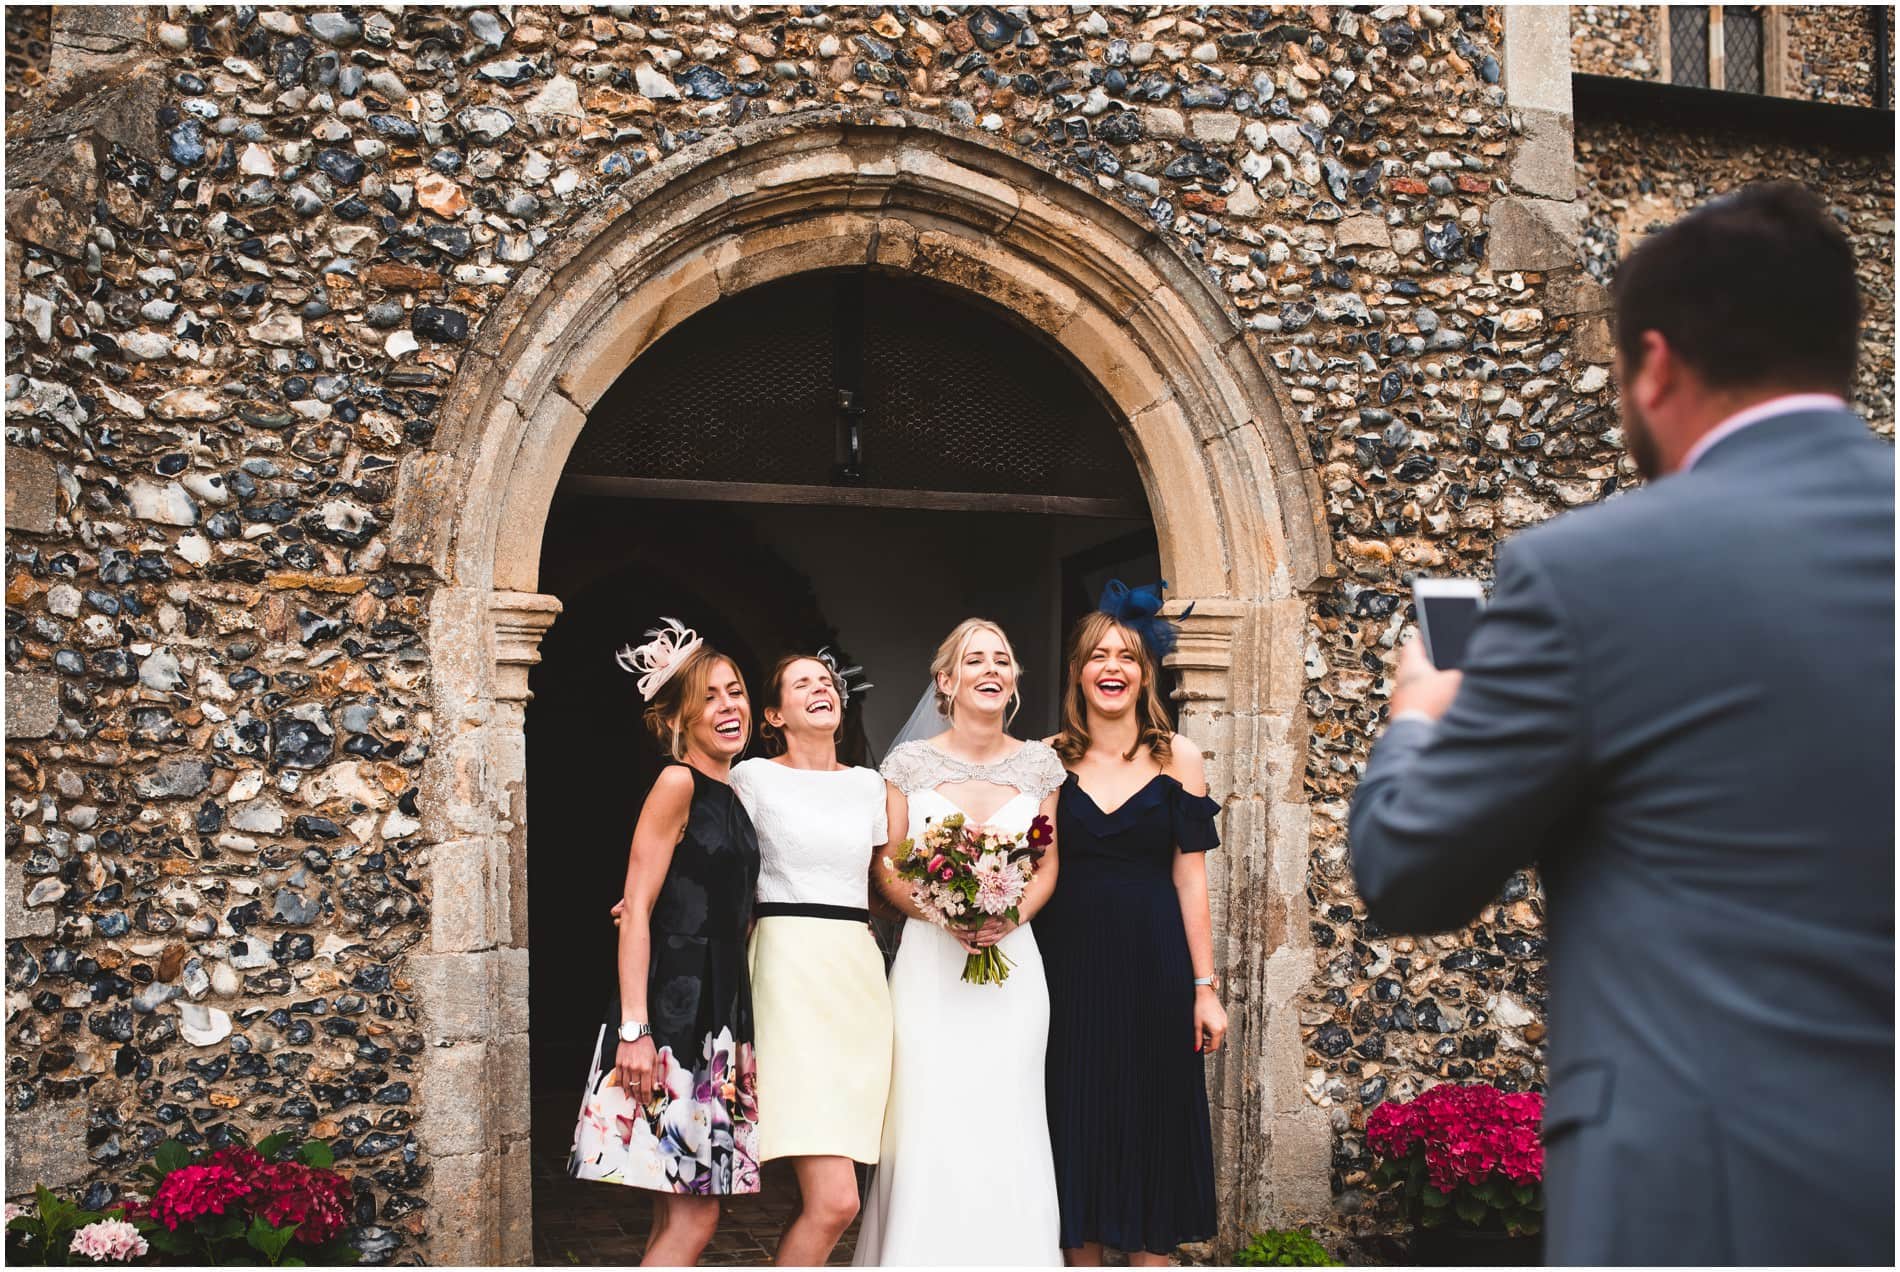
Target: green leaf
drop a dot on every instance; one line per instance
(316, 1153)
(1434, 1199)
(268, 1238)
(164, 1240)
(1523, 1194)
(273, 1144)
(1470, 1209)
(171, 1156)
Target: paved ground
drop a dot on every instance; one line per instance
(603, 1225)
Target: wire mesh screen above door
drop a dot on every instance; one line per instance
(946, 394)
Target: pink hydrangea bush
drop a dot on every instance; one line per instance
(1465, 1154)
(239, 1203)
(109, 1241)
(229, 1205)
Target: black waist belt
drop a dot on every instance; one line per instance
(810, 910)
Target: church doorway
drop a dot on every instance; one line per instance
(1171, 388)
(842, 458)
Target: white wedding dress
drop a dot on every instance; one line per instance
(965, 1174)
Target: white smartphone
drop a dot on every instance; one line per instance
(1447, 614)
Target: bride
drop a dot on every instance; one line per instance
(965, 1174)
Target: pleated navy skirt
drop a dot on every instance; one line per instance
(1127, 1091)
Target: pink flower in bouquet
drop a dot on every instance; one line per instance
(109, 1241)
(998, 886)
(192, 1192)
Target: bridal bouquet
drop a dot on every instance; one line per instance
(962, 875)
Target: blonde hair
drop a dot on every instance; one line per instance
(682, 700)
(1155, 730)
(949, 663)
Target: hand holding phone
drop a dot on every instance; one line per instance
(1448, 612)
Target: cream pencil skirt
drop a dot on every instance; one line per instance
(821, 1013)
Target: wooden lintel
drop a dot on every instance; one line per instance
(852, 496)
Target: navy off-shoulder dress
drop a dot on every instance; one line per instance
(1127, 1095)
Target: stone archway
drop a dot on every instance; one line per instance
(1235, 502)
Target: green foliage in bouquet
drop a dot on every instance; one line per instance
(1284, 1248)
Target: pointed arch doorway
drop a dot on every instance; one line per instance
(1237, 516)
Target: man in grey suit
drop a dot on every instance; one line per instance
(1679, 705)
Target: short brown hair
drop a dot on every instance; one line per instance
(1753, 289)
(1151, 714)
(682, 698)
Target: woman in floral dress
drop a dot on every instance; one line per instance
(670, 1103)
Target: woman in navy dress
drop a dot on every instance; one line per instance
(1134, 1004)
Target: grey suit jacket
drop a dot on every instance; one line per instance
(1679, 705)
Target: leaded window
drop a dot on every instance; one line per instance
(1742, 48)
(1689, 44)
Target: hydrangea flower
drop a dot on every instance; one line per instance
(108, 1241)
(192, 1192)
(1468, 1133)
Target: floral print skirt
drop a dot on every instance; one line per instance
(697, 1136)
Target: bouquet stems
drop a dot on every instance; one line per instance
(986, 967)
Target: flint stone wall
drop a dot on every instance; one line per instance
(246, 250)
(1831, 54)
(1624, 40)
(1638, 178)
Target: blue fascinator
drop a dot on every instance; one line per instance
(1140, 609)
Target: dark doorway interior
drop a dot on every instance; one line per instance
(841, 460)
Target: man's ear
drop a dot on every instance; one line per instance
(1661, 372)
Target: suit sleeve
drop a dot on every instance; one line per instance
(1446, 812)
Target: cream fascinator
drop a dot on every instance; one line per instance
(666, 650)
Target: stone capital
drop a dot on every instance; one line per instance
(520, 620)
(1205, 653)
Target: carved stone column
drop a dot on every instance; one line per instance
(1238, 706)
(519, 621)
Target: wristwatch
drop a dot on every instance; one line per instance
(1212, 982)
(633, 1031)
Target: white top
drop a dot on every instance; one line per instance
(816, 830)
(1786, 404)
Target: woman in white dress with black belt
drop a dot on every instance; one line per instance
(966, 1175)
(821, 1008)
